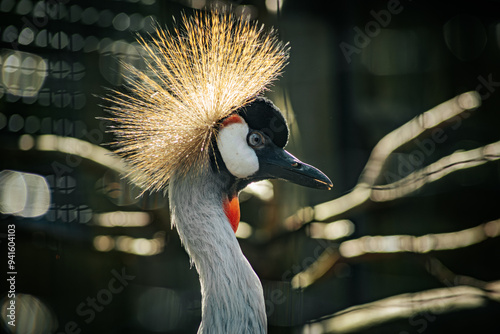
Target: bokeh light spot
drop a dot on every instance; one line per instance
(32, 315)
(105, 18)
(104, 243)
(23, 74)
(10, 34)
(60, 40)
(91, 44)
(77, 42)
(149, 23)
(13, 192)
(90, 15)
(60, 69)
(136, 22)
(40, 10)
(16, 123)
(121, 22)
(7, 5)
(26, 142)
(75, 13)
(23, 194)
(32, 124)
(27, 36)
(24, 7)
(42, 39)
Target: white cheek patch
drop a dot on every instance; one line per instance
(240, 159)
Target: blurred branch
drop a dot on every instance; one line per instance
(383, 149)
(366, 190)
(448, 278)
(422, 244)
(413, 129)
(406, 306)
(447, 165)
(395, 244)
(316, 270)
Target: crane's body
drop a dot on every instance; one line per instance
(194, 123)
(228, 282)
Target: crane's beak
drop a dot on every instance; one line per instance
(276, 163)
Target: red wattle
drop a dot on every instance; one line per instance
(232, 211)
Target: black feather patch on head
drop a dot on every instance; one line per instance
(263, 115)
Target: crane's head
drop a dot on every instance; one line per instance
(251, 145)
(197, 104)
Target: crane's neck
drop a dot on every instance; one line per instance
(232, 296)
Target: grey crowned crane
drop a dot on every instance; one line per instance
(194, 122)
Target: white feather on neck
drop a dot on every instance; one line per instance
(232, 296)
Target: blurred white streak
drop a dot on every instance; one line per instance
(449, 164)
(126, 244)
(421, 244)
(316, 270)
(31, 314)
(395, 139)
(81, 148)
(305, 214)
(23, 194)
(84, 149)
(359, 195)
(331, 231)
(405, 306)
(414, 128)
(122, 218)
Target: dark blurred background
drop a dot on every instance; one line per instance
(91, 257)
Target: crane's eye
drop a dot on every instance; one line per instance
(255, 139)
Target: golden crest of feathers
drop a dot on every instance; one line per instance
(197, 74)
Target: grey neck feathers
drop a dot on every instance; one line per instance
(232, 296)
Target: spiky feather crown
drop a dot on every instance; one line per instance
(199, 74)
